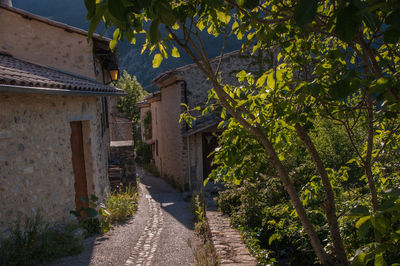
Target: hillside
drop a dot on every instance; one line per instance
(73, 13)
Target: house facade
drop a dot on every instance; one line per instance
(181, 152)
(54, 133)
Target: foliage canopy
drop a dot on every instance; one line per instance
(321, 59)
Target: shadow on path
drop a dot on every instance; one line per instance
(170, 199)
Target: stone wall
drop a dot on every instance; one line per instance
(36, 171)
(47, 45)
(120, 129)
(166, 133)
(122, 155)
(180, 157)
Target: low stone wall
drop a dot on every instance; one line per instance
(122, 155)
(227, 241)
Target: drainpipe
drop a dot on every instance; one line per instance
(6, 3)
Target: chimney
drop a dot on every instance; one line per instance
(6, 2)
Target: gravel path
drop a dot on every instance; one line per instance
(157, 235)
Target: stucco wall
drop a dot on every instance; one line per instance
(35, 156)
(46, 45)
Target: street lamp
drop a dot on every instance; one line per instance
(113, 71)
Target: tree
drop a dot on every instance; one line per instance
(319, 55)
(135, 93)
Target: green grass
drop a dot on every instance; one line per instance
(204, 254)
(36, 241)
(122, 204)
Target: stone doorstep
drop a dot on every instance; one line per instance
(227, 241)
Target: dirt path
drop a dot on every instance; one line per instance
(157, 235)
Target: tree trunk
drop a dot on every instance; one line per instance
(368, 156)
(206, 68)
(324, 257)
(330, 208)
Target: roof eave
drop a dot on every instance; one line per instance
(43, 90)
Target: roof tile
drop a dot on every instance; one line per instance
(21, 73)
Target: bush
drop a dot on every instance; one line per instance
(122, 205)
(36, 242)
(94, 218)
(143, 153)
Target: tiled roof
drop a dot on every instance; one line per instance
(165, 75)
(18, 73)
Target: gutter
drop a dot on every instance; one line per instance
(43, 90)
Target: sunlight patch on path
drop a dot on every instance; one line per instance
(143, 252)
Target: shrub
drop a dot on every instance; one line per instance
(198, 209)
(36, 241)
(151, 169)
(95, 219)
(143, 153)
(122, 204)
(205, 254)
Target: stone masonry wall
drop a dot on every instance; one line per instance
(123, 153)
(170, 142)
(197, 94)
(36, 171)
(46, 45)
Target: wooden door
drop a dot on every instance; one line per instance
(78, 164)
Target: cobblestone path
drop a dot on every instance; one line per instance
(144, 250)
(157, 235)
(168, 229)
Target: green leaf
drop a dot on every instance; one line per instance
(165, 14)
(379, 260)
(175, 52)
(380, 223)
(249, 4)
(347, 23)
(223, 17)
(241, 75)
(117, 9)
(113, 43)
(91, 8)
(340, 90)
(157, 60)
(100, 9)
(154, 32)
(261, 80)
(305, 12)
(392, 34)
(91, 212)
(271, 81)
(359, 211)
(272, 238)
(362, 220)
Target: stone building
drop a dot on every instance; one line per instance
(181, 152)
(54, 135)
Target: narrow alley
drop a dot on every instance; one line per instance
(158, 234)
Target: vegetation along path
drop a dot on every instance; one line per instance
(157, 235)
